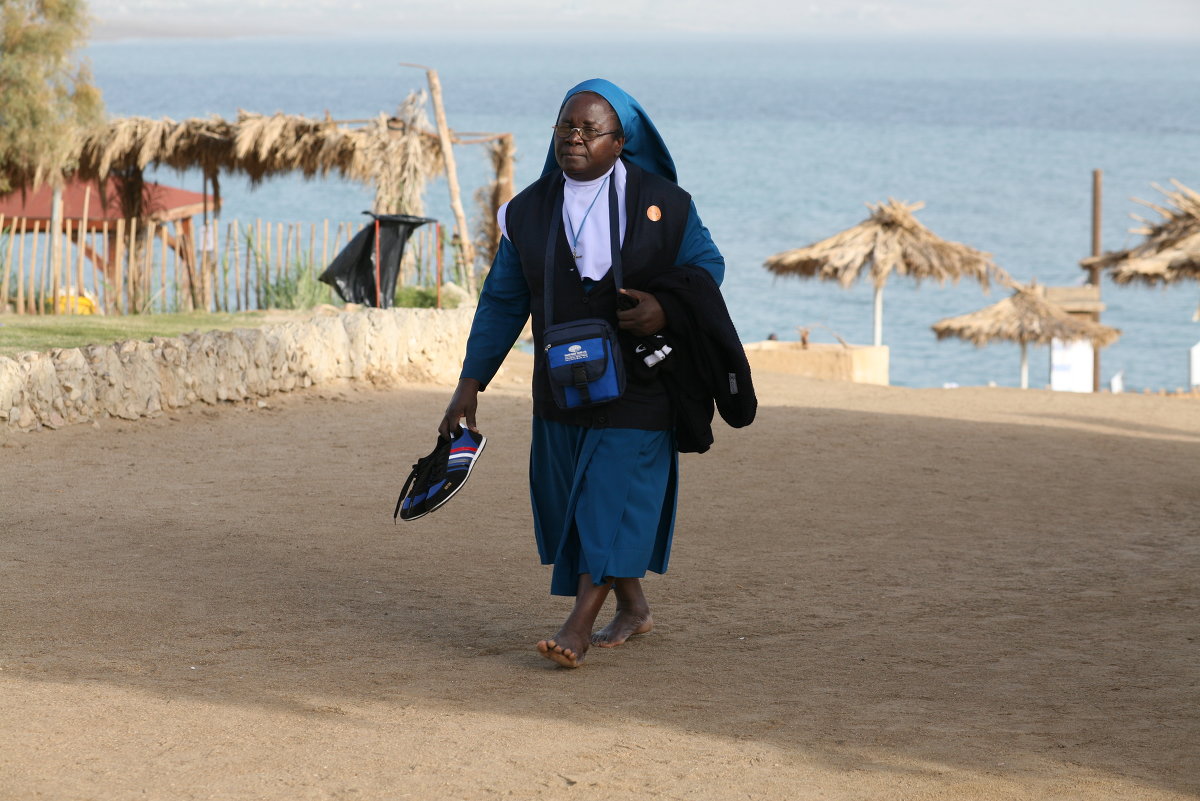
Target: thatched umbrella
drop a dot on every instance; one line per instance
(1026, 317)
(890, 241)
(1170, 251)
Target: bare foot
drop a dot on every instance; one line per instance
(627, 623)
(564, 649)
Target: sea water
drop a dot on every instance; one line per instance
(781, 144)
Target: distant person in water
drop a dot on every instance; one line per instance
(603, 479)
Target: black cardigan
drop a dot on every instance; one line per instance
(709, 364)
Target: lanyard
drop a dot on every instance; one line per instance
(575, 232)
(614, 236)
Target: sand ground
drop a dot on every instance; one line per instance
(875, 593)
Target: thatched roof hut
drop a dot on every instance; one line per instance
(1170, 251)
(1027, 318)
(890, 240)
(397, 155)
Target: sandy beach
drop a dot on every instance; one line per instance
(875, 593)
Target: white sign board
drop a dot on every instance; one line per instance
(1071, 366)
(1194, 371)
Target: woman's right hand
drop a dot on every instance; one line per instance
(463, 403)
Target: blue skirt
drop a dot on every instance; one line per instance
(603, 501)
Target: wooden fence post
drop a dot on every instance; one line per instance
(131, 276)
(101, 278)
(63, 297)
(8, 269)
(21, 304)
(237, 256)
(162, 270)
(325, 246)
(40, 303)
(265, 277)
(81, 240)
(146, 270)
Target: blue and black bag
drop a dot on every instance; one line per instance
(583, 357)
(583, 361)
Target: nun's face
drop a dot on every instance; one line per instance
(579, 158)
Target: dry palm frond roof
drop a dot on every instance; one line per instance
(1025, 317)
(256, 145)
(1171, 249)
(122, 144)
(891, 240)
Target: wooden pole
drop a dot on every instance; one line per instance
(102, 277)
(312, 247)
(878, 315)
(440, 245)
(81, 237)
(131, 288)
(177, 273)
(55, 268)
(146, 270)
(55, 245)
(45, 269)
(250, 251)
(265, 278)
(325, 246)
(222, 302)
(460, 218)
(286, 249)
(1024, 366)
(237, 258)
(192, 277)
(21, 308)
(119, 268)
(440, 269)
(8, 269)
(281, 253)
(1094, 277)
(65, 298)
(262, 266)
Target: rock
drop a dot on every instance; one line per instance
(455, 297)
(134, 379)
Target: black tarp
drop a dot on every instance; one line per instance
(352, 272)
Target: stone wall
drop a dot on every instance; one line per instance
(863, 364)
(135, 379)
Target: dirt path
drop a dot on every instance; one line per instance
(875, 593)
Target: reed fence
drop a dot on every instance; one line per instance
(139, 267)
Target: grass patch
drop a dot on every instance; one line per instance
(22, 333)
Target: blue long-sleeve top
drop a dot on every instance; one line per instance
(504, 301)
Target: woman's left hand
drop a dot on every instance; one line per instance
(644, 319)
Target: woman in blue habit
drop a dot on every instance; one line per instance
(603, 479)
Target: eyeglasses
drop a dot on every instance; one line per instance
(586, 134)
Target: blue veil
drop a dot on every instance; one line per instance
(643, 144)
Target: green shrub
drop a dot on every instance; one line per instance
(416, 297)
(298, 288)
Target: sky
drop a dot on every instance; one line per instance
(1116, 20)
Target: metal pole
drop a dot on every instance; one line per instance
(1094, 277)
(378, 294)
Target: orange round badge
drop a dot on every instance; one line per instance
(654, 213)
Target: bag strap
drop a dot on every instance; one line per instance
(580, 381)
(556, 225)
